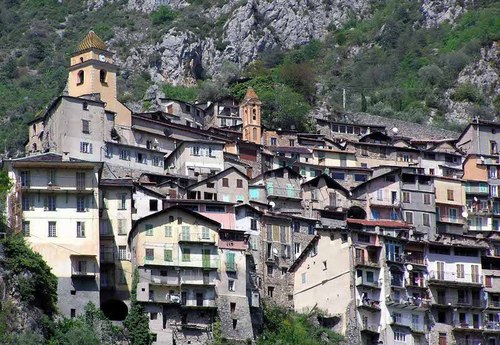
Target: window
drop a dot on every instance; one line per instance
(86, 126)
(195, 151)
(406, 197)
(80, 203)
(141, 158)
(52, 229)
(493, 147)
(205, 233)
(396, 317)
(375, 214)
(215, 209)
(80, 229)
(427, 199)
(80, 78)
(156, 161)
(72, 313)
(123, 201)
(150, 254)
(338, 176)
(124, 154)
(399, 336)
(253, 224)
(426, 219)
(231, 286)
(167, 255)
(225, 182)
(103, 76)
(25, 178)
(25, 202)
(343, 237)
(153, 205)
(85, 106)
(270, 270)
(153, 316)
(363, 238)
(359, 177)
(122, 223)
(186, 254)
(292, 142)
(80, 180)
(85, 147)
(168, 231)
(51, 177)
(50, 203)
(239, 183)
(460, 271)
(274, 141)
(449, 194)
(149, 229)
(270, 291)
(26, 228)
(122, 252)
(409, 217)
(492, 172)
(380, 194)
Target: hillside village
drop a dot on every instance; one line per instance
(391, 229)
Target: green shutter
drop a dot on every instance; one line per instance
(149, 229)
(186, 254)
(230, 264)
(168, 231)
(167, 255)
(205, 233)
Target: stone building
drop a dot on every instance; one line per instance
(55, 204)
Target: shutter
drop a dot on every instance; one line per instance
(81, 146)
(90, 148)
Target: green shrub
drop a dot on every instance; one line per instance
(163, 15)
(467, 92)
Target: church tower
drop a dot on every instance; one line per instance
(250, 114)
(92, 71)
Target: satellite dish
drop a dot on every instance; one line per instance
(395, 130)
(272, 204)
(409, 267)
(465, 214)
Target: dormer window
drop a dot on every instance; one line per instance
(81, 78)
(103, 76)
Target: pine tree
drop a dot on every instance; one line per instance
(137, 323)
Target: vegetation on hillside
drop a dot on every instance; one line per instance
(285, 327)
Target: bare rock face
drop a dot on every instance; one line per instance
(436, 12)
(484, 75)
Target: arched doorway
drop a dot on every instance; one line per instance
(115, 310)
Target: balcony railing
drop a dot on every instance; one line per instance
(210, 303)
(197, 237)
(453, 220)
(467, 325)
(197, 280)
(363, 282)
(494, 304)
(370, 303)
(395, 257)
(407, 321)
(162, 298)
(445, 276)
(365, 262)
(491, 326)
(415, 258)
(369, 327)
(284, 192)
(408, 301)
(166, 280)
(385, 202)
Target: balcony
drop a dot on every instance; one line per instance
(369, 328)
(197, 238)
(65, 184)
(398, 258)
(370, 304)
(164, 280)
(198, 279)
(466, 326)
(286, 193)
(406, 321)
(415, 258)
(451, 220)
(360, 281)
(162, 298)
(205, 303)
(450, 278)
(385, 202)
(408, 302)
(494, 304)
(491, 327)
(366, 262)
(477, 190)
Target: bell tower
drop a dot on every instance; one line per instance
(251, 117)
(92, 71)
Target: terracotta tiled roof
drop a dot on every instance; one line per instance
(91, 41)
(379, 222)
(251, 94)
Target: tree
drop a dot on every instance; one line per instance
(137, 322)
(36, 283)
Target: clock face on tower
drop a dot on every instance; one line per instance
(102, 58)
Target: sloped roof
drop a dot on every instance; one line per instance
(379, 222)
(251, 94)
(330, 183)
(91, 41)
